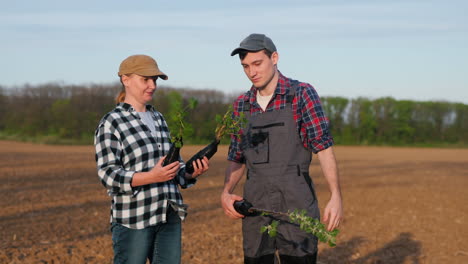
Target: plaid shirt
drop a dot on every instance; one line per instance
(124, 145)
(312, 124)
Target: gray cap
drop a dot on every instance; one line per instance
(255, 42)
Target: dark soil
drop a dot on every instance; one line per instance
(402, 205)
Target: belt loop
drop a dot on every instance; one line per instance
(298, 170)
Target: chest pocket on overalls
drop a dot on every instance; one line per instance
(259, 142)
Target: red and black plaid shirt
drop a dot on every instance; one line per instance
(312, 124)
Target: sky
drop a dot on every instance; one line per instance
(405, 49)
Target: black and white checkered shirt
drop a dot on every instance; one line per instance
(125, 145)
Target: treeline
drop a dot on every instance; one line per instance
(387, 121)
(57, 113)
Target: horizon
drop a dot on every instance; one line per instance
(227, 94)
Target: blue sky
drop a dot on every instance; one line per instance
(412, 49)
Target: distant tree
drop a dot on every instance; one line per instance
(384, 109)
(459, 128)
(362, 121)
(335, 108)
(3, 103)
(403, 126)
(70, 113)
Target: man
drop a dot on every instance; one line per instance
(285, 126)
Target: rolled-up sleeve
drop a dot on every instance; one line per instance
(235, 152)
(181, 180)
(315, 128)
(108, 159)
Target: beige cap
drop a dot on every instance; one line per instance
(142, 65)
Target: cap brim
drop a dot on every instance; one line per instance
(162, 76)
(152, 72)
(236, 51)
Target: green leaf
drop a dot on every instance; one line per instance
(193, 103)
(334, 232)
(307, 224)
(218, 118)
(275, 224)
(272, 232)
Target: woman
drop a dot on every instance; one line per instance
(131, 141)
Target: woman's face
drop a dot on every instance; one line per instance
(139, 89)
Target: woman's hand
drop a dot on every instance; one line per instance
(200, 166)
(166, 173)
(157, 174)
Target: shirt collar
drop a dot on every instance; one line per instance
(129, 108)
(282, 88)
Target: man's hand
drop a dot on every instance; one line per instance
(227, 201)
(234, 173)
(333, 213)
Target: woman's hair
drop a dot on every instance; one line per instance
(121, 96)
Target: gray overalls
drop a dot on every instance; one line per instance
(277, 179)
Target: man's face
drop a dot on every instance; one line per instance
(259, 68)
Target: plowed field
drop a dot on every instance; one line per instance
(402, 205)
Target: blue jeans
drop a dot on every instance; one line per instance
(160, 244)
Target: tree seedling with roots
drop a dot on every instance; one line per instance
(177, 125)
(306, 223)
(228, 124)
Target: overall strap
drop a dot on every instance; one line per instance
(292, 92)
(246, 107)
